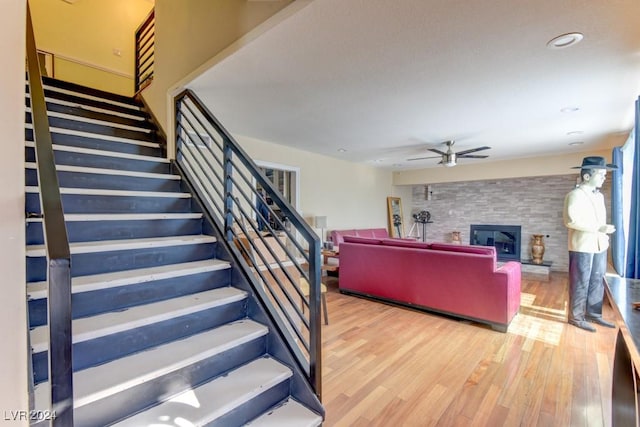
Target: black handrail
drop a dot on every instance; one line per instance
(145, 48)
(57, 246)
(276, 260)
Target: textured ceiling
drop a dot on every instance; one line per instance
(385, 80)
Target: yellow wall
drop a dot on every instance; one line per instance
(13, 322)
(83, 35)
(189, 33)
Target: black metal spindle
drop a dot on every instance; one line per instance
(238, 176)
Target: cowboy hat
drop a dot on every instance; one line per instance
(595, 162)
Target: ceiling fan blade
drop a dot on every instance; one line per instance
(466, 156)
(473, 150)
(435, 150)
(423, 158)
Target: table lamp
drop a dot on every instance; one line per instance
(321, 223)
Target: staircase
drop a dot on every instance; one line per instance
(164, 332)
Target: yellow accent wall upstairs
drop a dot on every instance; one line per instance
(92, 42)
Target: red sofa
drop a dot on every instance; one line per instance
(457, 280)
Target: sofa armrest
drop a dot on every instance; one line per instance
(512, 268)
(513, 272)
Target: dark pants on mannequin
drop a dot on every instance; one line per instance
(586, 284)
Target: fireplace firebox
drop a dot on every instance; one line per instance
(505, 238)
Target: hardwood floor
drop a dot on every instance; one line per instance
(390, 366)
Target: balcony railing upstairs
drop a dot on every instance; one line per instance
(278, 250)
(145, 49)
(57, 246)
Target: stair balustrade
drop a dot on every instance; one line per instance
(276, 252)
(145, 49)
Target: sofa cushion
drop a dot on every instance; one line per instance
(406, 243)
(365, 240)
(468, 249)
(337, 236)
(380, 233)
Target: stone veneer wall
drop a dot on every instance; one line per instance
(535, 203)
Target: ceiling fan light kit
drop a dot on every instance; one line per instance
(449, 160)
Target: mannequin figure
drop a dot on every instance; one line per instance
(585, 217)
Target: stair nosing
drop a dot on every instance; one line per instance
(91, 97)
(123, 217)
(94, 282)
(103, 153)
(34, 251)
(88, 120)
(121, 193)
(105, 171)
(104, 324)
(94, 109)
(85, 379)
(91, 135)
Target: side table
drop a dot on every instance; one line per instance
(326, 256)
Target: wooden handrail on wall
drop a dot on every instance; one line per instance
(57, 246)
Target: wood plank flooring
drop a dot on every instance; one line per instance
(391, 366)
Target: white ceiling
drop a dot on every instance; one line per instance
(387, 79)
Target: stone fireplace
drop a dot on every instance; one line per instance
(505, 238)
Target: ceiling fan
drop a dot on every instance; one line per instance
(450, 157)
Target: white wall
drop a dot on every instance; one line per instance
(349, 194)
(189, 33)
(13, 326)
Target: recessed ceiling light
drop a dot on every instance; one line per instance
(569, 109)
(575, 132)
(341, 150)
(564, 40)
(576, 143)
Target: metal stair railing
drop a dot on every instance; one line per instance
(145, 49)
(57, 247)
(276, 259)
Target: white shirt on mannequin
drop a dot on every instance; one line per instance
(585, 215)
